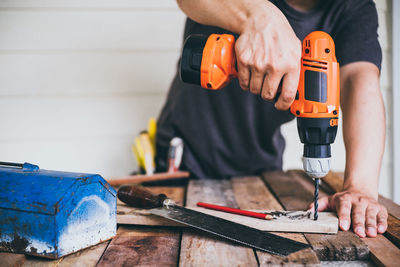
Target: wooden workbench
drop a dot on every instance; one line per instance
(173, 246)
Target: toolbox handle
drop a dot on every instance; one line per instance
(24, 166)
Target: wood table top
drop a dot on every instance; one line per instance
(164, 245)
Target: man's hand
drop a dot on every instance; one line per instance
(268, 51)
(268, 54)
(366, 215)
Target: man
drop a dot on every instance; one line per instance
(234, 131)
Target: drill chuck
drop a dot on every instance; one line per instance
(317, 167)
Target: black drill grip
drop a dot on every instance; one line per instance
(139, 197)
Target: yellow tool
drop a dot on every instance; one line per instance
(139, 160)
(146, 152)
(152, 130)
(145, 147)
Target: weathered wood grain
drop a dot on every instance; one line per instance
(292, 192)
(11, 259)
(142, 247)
(251, 193)
(383, 252)
(199, 249)
(289, 191)
(130, 215)
(393, 230)
(40, 262)
(392, 207)
(335, 181)
(87, 257)
(342, 246)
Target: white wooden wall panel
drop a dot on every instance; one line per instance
(112, 73)
(79, 4)
(47, 117)
(90, 30)
(109, 156)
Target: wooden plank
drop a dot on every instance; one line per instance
(383, 252)
(137, 179)
(40, 262)
(291, 190)
(199, 249)
(251, 193)
(130, 215)
(345, 246)
(335, 180)
(326, 224)
(87, 257)
(393, 230)
(11, 259)
(392, 207)
(142, 247)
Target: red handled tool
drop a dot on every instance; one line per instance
(236, 211)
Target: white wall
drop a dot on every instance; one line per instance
(80, 78)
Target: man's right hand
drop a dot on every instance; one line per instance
(268, 51)
(268, 57)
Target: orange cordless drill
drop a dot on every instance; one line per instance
(210, 61)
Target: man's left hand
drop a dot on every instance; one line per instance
(364, 213)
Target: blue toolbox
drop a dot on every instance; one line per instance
(52, 213)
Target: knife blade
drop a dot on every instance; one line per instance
(162, 206)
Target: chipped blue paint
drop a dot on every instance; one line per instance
(52, 213)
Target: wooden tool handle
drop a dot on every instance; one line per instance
(139, 197)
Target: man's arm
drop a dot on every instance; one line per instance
(267, 50)
(364, 138)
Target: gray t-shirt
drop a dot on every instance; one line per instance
(230, 132)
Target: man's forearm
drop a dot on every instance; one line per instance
(227, 14)
(363, 126)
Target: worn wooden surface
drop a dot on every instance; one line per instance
(86, 257)
(130, 215)
(297, 193)
(149, 245)
(142, 247)
(383, 252)
(251, 193)
(198, 249)
(10, 259)
(393, 230)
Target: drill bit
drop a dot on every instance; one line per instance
(316, 194)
